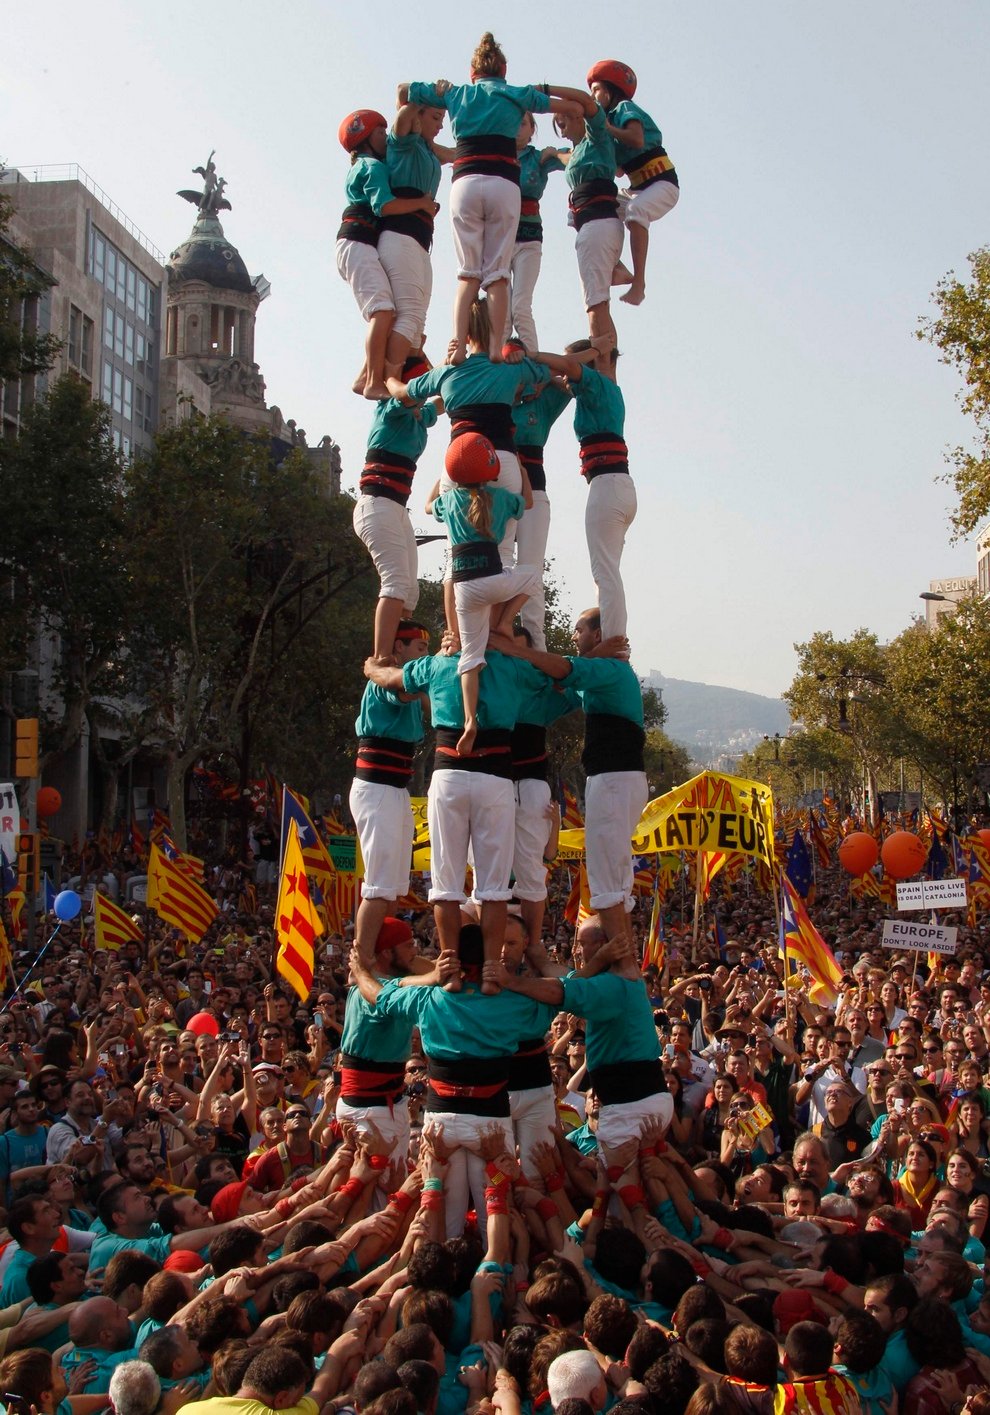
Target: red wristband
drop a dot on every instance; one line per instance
(284, 1208)
(432, 1199)
(554, 1181)
(661, 1148)
(650, 1150)
(497, 1200)
(401, 1200)
(298, 1184)
(600, 1203)
(701, 1268)
(495, 1175)
(632, 1195)
(833, 1284)
(614, 1172)
(723, 1238)
(546, 1209)
(378, 1161)
(351, 1188)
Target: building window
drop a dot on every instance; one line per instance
(118, 391)
(107, 383)
(128, 400)
(108, 327)
(131, 287)
(142, 298)
(116, 438)
(99, 257)
(118, 336)
(125, 447)
(111, 281)
(75, 336)
(151, 306)
(88, 328)
(129, 343)
(121, 278)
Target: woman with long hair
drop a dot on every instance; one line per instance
(915, 1186)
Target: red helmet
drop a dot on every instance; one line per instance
(357, 128)
(614, 73)
(471, 459)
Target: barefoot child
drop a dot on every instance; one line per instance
(639, 153)
(476, 514)
(364, 134)
(535, 167)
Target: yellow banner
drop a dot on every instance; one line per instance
(710, 812)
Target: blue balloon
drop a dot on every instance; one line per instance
(67, 905)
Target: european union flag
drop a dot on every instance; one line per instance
(799, 865)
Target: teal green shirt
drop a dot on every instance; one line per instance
(875, 1388)
(370, 1034)
(478, 380)
(384, 714)
(367, 182)
(629, 112)
(488, 107)
(534, 417)
(593, 158)
(598, 405)
(534, 171)
(618, 1014)
(456, 1025)
(411, 162)
(396, 428)
(106, 1363)
(451, 507)
(898, 1362)
(15, 1288)
(501, 688)
(606, 685)
(156, 1244)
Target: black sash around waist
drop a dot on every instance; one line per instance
(611, 743)
(492, 420)
(491, 754)
(387, 474)
(531, 457)
(367, 1082)
(417, 224)
(474, 560)
(627, 1081)
(473, 1086)
(603, 452)
(595, 200)
(385, 760)
(529, 1066)
(487, 156)
(529, 752)
(655, 157)
(359, 223)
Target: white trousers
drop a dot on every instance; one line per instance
(534, 1118)
(614, 802)
(359, 265)
(532, 830)
(463, 807)
(392, 1121)
(532, 533)
(621, 1122)
(410, 274)
(466, 1170)
(598, 245)
(473, 600)
(484, 218)
(383, 820)
(640, 208)
(525, 271)
(610, 511)
(386, 531)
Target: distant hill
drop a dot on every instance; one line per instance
(715, 724)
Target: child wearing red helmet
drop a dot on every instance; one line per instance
(640, 154)
(369, 197)
(476, 514)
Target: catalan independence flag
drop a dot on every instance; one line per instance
(177, 899)
(113, 925)
(570, 812)
(316, 857)
(190, 865)
(297, 923)
(801, 943)
(656, 946)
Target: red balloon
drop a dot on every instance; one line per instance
(858, 853)
(49, 802)
(985, 837)
(204, 1024)
(903, 854)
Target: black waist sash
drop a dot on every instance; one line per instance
(491, 753)
(487, 156)
(387, 474)
(359, 223)
(367, 1082)
(473, 1086)
(529, 1066)
(627, 1081)
(385, 760)
(529, 752)
(474, 560)
(417, 224)
(603, 452)
(611, 743)
(531, 457)
(492, 420)
(593, 201)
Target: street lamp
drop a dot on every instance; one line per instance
(932, 594)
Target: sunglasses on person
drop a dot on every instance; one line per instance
(930, 1051)
(271, 1036)
(931, 1137)
(904, 1056)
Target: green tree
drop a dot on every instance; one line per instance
(961, 332)
(61, 489)
(23, 351)
(667, 763)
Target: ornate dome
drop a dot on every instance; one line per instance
(207, 255)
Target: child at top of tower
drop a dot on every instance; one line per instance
(640, 155)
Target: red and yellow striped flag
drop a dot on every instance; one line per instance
(177, 899)
(297, 923)
(16, 899)
(112, 925)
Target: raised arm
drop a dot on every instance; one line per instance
(385, 677)
(571, 100)
(554, 665)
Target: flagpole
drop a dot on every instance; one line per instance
(19, 986)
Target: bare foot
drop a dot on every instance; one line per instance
(635, 295)
(452, 985)
(378, 391)
(359, 383)
(490, 989)
(622, 275)
(466, 740)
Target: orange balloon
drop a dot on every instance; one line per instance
(903, 854)
(858, 853)
(985, 837)
(49, 802)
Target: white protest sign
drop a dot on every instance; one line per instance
(931, 894)
(10, 820)
(931, 938)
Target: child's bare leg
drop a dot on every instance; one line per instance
(464, 298)
(358, 386)
(507, 613)
(639, 244)
(600, 322)
(379, 328)
(498, 313)
(469, 695)
(388, 613)
(622, 275)
(396, 353)
(449, 611)
(494, 913)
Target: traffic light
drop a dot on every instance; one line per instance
(28, 854)
(26, 747)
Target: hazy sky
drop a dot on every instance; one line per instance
(785, 426)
